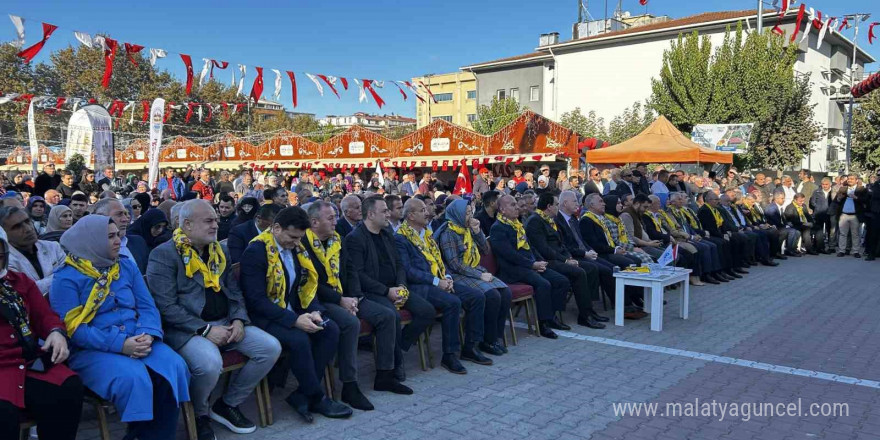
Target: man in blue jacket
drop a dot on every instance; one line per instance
(426, 277)
(172, 182)
(280, 285)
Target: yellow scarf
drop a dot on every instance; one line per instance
(800, 211)
(328, 257)
(276, 283)
(686, 213)
(212, 271)
(427, 247)
(471, 253)
(85, 313)
(755, 214)
(547, 219)
(656, 222)
(715, 213)
(521, 242)
(621, 231)
(670, 223)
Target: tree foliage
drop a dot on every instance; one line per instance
(865, 151)
(631, 122)
(588, 126)
(493, 117)
(75, 164)
(748, 79)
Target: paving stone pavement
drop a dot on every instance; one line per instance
(814, 313)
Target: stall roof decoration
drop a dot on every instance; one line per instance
(661, 142)
(530, 137)
(21, 156)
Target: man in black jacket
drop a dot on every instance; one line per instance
(824, 225)
(543, 236)
(872, 221)
(350, 215)
(373, 269)
(487, 214)
(713, 222)
(293, 316)
(226, 216)
(47, 180)
(241, 235)
(517, 264)
(325, 248)
(800, 219)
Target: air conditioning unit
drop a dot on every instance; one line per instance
(839, 92)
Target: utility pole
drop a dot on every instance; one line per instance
(857, 18)
(580, 11)
(760, 17)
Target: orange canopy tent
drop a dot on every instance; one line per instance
(661, 142)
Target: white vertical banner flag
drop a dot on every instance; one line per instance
(18, 22)
(379, 173)
(157, 115)
(317, 84)
(204, 73)
(32, 138)
(242, 69)
(277, 94)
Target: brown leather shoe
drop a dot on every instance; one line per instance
(634, 315)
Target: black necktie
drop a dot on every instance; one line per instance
(576, 231)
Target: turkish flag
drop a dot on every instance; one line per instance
(463, 182)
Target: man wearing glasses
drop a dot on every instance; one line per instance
(627, 185)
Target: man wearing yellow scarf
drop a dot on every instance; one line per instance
(279, 283)
(325, 250)
(711, 220)
(801, 221)
(427, 278)
(203, 313)
(518, 264)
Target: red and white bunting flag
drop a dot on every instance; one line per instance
(257, 88)
(292, 77)
(317, 83)
(797, 24)
(18, 22)
(368, 84)
(131, 50)
(29, 53)
(220, 65)
(109, 56)
(329, 81)
(428, 89)
(401, 89)
(187, 61)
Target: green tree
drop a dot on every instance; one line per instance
(749, 79)
(76, 164)
(588, 126)
(631, 122)
(496, 115)
(865, 151)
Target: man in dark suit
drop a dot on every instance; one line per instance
(351, 214)
(570, 233)
(133, 245)
(775, 215)
(800, 219)
(627, 184)
(241, 235)
(711, 219)
(429, 280)
(544, 238)
(594, 184)
(821, 203)
(325, 250)
(226, 216)
(200, 320)
(373, 268)
(517, 264)
(489, 211)
(282, 302)
(757, 246)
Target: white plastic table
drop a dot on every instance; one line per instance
(654, 284)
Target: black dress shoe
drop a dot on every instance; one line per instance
(599, 317)
(591, 323)
(721, 276)
(331, 409)
(857, 255)
(732, 274)
(556, 324)
(500, 345)
(452, 364)
(740, 271)
(386, 381)
(400, 372)
(769, 262)
(353, 396)
(546, 332)
(869, 257)
(490, 349)
(840, 254)
(710, 279)
(793, 254)
(812, 252)
(471, 354)
(780, 257)
(300, 404)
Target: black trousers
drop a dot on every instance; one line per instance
(872, 233)
(622, 261)
(823, 230)
(606, 275)
(724, 252)
(740, 251)
(309, 354)
(584, 281)
(55, 408)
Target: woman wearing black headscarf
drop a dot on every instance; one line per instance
(144, 200)
(246, 210)
(152, 226)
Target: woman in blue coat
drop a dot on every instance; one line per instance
(115, 331)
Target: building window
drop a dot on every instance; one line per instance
(443, 97)
(471, 94)
(534, 93)
(514, 94)
(471, 117)
(445, 118)
(501, 94)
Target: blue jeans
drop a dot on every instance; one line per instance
(206, 362)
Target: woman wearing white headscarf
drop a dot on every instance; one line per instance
(60, 220)
(116, 332)
(33, 378)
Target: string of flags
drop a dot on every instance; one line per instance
(110, 47)
(118, 108)
(815, 20)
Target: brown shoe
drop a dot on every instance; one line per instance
(634, 315)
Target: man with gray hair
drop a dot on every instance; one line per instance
(133, 246)
(36, 259)
(350, 207)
